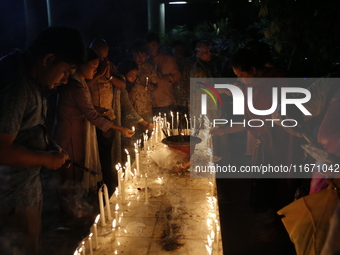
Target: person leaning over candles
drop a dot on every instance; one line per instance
(75, 131)
(24, 145)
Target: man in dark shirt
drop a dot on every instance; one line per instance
(24, 145)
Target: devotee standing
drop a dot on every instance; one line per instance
(75, 131)
(105, 89)
(168, 75)
(274, 146)
(24, 146)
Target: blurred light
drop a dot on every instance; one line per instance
(178, 2)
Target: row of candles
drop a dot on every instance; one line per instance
(213, 238)
(123, 178)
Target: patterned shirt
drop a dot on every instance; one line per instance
(164, 94)
(22, 116)
(140, 95)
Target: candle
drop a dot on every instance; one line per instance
(118, 168)
(172, 120)
(178, 120)
(146, 189)
(134, 174)
(168, 129)
(165, 120)
(186, 120)
(113, 230)
(101, 206)
(209, 241)
(208, 249)
(107, 202)
(137, 162)
(83, 248)
(96, 232)
(116, 212)
(194, 122)
(90, 243)
(217, 238)
(123, 188)
(127, 172)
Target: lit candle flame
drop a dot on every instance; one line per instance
(114, 224)
(117, 207)
(133, 128)
(90, 235)
(212, 234)
(97, 219)
(127, 152)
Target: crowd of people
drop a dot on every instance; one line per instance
(65, 106)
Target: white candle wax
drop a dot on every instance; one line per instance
(217, 239)
(116, 212)
(187, 129)
(83, 248)
(119, 170)
(96, 232)
(146, 189)
(123, 188)
(101, 206)
(90, 243)
(107, 202)
(137, 162)
(134, 174)
(127, 173)
(113, 235)
(172, 120)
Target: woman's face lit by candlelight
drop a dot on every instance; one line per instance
(89, 69)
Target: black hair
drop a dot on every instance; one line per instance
(202, 43)
(126, 66)
(140, 46)
(150, 37)
(65, 42)
(244, 60)
(90, 55)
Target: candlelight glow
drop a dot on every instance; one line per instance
(114, 224)
(126, 151)
(208, 249)
(212, 234)
(209, 240)
(97, 219)
(117, 207)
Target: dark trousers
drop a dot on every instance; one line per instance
(20, 228)
(105, 141)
